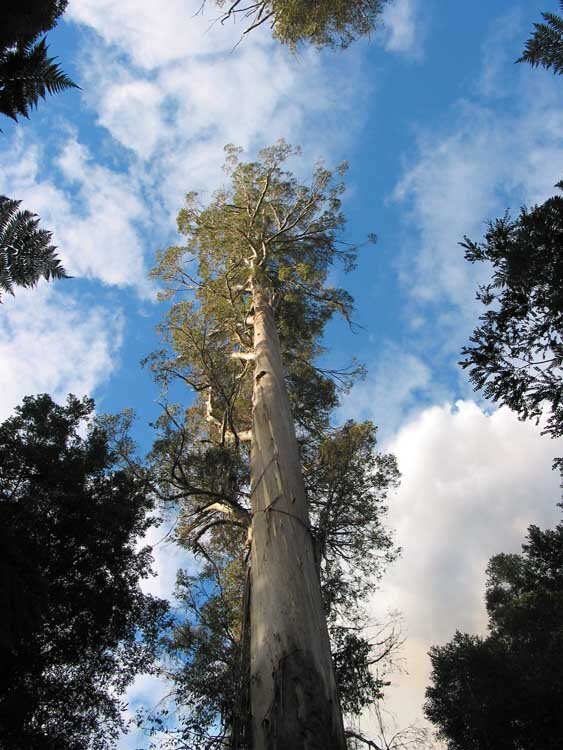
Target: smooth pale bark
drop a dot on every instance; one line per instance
(294, 701)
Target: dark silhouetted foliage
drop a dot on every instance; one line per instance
(545, 46)
(26, 252)
(27, 73)
(505, 691)
(516, 354)
(75, 626)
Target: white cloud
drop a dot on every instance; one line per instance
(176, 114)
(403, 29)
(51, 344)
(398, 382)
(469, 175)
(499, 51)
(471, 485)
(131, 109)
(153, 33)
(491, 156)
(92, 212)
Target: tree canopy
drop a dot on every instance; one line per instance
(324, 23)
(545, 46)
(76, 627)
(505, 691)
(516, 353)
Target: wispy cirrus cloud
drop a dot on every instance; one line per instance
(174, 106)
(404, 31)
(470, 173)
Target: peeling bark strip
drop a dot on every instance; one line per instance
(294, 701)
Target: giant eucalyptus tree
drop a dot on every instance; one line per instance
(285, 508)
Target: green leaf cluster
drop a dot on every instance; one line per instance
(324, 23)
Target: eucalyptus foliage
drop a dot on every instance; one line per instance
(324, 23)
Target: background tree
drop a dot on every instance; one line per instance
(516, 354)
(505, 691)
(322, 22)
(75, 627)
(545, 46)
(262, 249)
(26, 252)
(27, 74)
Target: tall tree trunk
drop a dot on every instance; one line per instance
(294, 702)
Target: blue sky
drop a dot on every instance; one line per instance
(442, 133)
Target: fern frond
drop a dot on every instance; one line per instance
(27, 74)
(26, 252)
(545, 46)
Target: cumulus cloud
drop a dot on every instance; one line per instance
(49, 343)
(472, 484)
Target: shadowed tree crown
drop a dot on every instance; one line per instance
(505, 691)
(76, 627)
(516, 353)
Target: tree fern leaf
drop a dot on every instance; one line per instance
(26, 252)
(27, 74)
